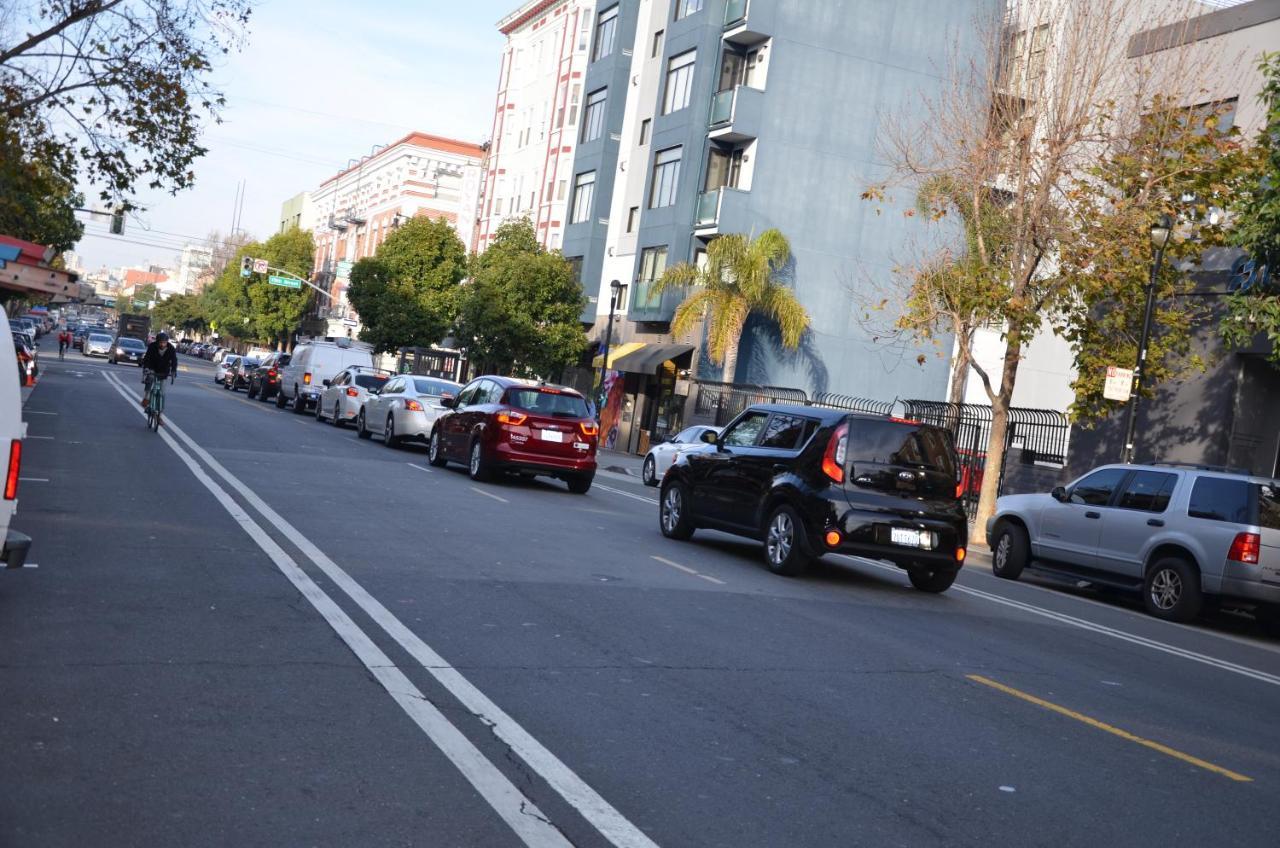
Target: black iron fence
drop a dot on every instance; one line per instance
(1035, 437)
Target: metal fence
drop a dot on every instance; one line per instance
(1034, 437)
(851, 403)
(721, 402)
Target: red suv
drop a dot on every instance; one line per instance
(498, 424)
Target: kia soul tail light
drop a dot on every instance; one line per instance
(833, 457)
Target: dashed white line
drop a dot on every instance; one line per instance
(42, 438)
(688, 570)
(36, 412)
(33, 479)
(421, 468)
(634, 497)
(488, 494)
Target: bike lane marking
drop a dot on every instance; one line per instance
(520, 813)
(573, 789)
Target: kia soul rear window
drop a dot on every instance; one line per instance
(901, 444)
(543, 402)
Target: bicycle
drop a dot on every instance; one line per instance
(155, 400)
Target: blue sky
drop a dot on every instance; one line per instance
(318, 83)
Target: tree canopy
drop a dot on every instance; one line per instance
(521, 312)
(250, 308)
(407, 293)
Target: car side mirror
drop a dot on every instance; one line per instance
(710, 437)
(375, 391)
(1059, 494)
(325, 383)
(448, 401)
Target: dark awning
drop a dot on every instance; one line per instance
(647, 359)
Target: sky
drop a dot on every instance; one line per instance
(318, 83)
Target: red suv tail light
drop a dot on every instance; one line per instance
(272, 373)
(1246, 548)
(508, 416)
(15, 465)
(833, 456)
(352, 393)
(413, 406)
(589, 428)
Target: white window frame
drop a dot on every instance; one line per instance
(593, 113)
(584, 191)
(666, 177)
(679, 82)
(603, 45)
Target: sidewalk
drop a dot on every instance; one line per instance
(619, 463)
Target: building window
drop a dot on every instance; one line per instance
(633, 218)
(573, 105)
(653, 263)
(584, 189)
(575, 266)
(606, 33)
(564, 186)
(593, 116)
(679, 82)
(685, 8)
(666, 174)
(645, 127)
(657, 44)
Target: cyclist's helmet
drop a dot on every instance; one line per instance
(162, 336)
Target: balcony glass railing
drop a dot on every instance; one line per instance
(644, 298)
(734, 11)
(708, 208)
(722, 106)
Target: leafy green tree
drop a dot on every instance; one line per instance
(250, 308)
(185, 313)
(1257, 228)
(407, 294)
(1172, 160)
(116, 92)
(738, 279)
(521, 312)
(37, 200)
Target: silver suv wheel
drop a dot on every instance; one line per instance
(782, 533)
(1166, 589)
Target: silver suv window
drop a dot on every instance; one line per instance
(1220, 499)
(1097, 488)
(1148, 491)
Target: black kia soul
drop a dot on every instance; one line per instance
(808, 480)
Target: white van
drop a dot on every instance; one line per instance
(314, 361)
(14, 547)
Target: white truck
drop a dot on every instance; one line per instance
(13, 551)
(314, 361)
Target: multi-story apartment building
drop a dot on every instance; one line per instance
(356, 209)
(298, 211)
(193, 262)
(536, 118)
(735, 116)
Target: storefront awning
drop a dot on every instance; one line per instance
(616, 352)
(647, 359)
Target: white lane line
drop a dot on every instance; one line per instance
(590, 804)
(1101, 629)
(420, 468)
(488, 494)
(687, 570)
(516, 810)
(43, 438)
(30, 565)
(627, 494)
(33, 479)
(36, 412)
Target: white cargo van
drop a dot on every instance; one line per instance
(13, 545)
(314, 361)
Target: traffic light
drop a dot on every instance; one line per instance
(246, 266)
(117, 222)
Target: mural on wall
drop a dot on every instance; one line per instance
(610, 402)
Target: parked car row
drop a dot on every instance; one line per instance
(493, 425)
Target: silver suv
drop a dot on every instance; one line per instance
(1178, 533)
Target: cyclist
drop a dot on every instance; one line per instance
(159, 362)
(64, 341)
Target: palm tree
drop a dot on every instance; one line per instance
(736, 281)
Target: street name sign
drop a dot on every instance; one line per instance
(1119, 384)
(284, 282)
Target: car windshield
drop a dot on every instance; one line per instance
(370, 381)
(434, 387)
(98, 337)
(552, 402)
(230, 360)
(249, 363)
(132, 344)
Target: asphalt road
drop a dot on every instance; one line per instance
(255, 629)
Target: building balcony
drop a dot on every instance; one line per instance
(646, 306)
(721, 210)
(747, 22)
(736, 114)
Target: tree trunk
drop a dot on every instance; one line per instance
(999, 434)
(730, 362)
(959, 375)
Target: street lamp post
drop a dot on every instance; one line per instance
(1160, 232)
(615, 289)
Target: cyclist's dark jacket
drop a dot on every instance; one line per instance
(162, 364)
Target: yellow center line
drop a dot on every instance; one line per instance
(1115, 731)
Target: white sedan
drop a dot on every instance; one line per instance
(662, 456)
